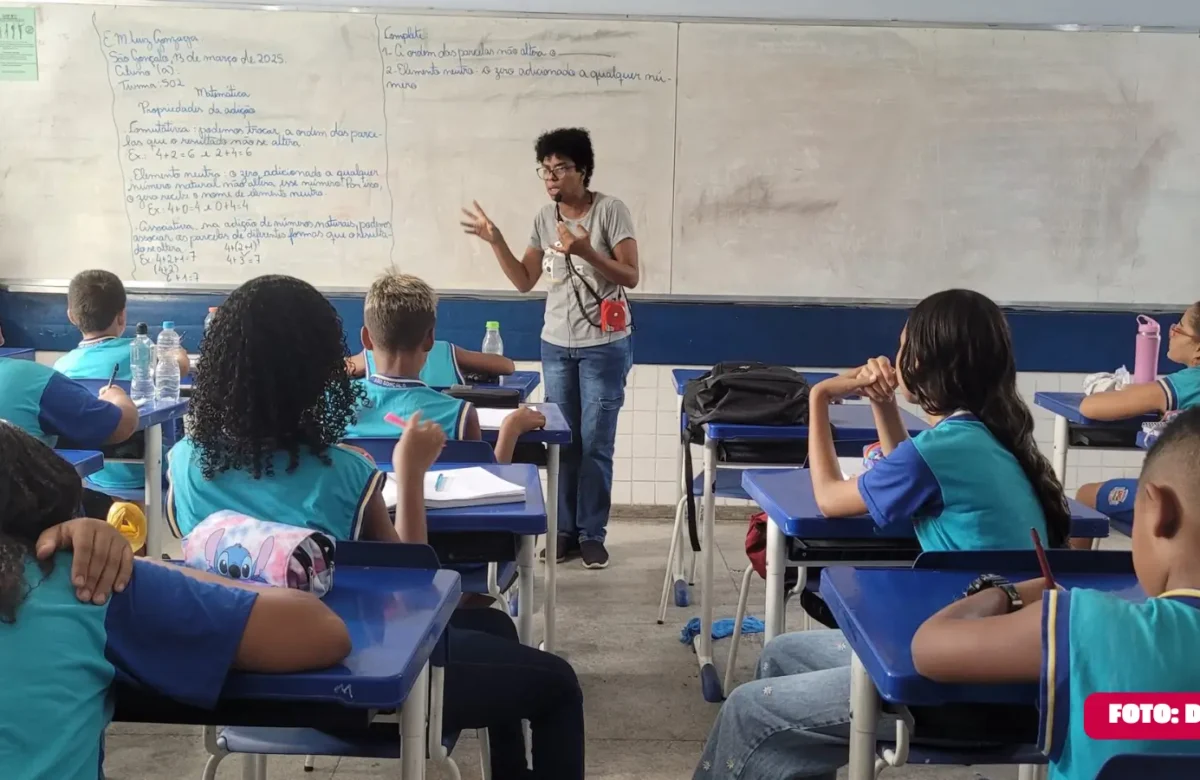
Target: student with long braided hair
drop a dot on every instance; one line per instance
(975, 481)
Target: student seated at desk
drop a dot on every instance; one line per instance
(446, 365)
(268, 412)
(96, 305)
(400, 316)
(1080, 642)
(1174, 392)
(174, 631)
(48, 405)
(975, 481)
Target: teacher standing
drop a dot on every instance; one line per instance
(583, 243)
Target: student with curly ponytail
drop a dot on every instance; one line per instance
(975, 481)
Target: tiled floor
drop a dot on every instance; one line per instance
(645, 716)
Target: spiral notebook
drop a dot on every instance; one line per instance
(457, 488)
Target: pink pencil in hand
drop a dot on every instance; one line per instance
(396, 420)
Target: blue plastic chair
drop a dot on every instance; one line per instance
(1172, 766)
(381, 739)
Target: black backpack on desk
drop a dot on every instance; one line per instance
(745, 394)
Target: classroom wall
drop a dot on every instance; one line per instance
(1055, 350)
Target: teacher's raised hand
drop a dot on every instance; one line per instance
(477, 223)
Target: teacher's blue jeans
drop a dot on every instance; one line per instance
(588, 384)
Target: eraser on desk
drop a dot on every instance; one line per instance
(395, 420)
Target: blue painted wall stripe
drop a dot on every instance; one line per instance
(668, 333)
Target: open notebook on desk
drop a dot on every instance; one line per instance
(492, 419)
(457, 488)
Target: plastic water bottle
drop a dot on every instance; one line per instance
(166, 370)
(141, 359)
(1145, 361)
(208, 320)
(492, 343)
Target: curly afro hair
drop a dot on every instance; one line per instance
(273, 378)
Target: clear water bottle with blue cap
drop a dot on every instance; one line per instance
(141, 365)
(166, 370)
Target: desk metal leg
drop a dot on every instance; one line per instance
(551, 567)
(1061, 444)
(154, 502)
(864, 718)
(412, 729)
(525, 590)
(776, 568)
(710, 682)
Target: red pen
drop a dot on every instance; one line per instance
(1045, 564)
(395, 420)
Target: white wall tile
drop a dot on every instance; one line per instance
(642, 493)
(666, 447)
(664, 471)
(644, 422)
(622, 493)
(622, 470)
(643, 445)
(665, 493)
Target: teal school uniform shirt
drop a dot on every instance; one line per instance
(441, 366)
(47, 405)
(166, 632)
(404, 397)
(94, 359)
(961, 489)
(328, 498)
(1182, 389)
(1095, 642)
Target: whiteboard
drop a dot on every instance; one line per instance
(886, 163)
(786, 161)
(203, 146)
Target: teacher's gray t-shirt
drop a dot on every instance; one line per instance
(608, 222)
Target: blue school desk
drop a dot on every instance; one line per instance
(524, 382)
(786, 495)
(556, 434)
(85, 462)
(17, 353)
(151, 417)
(526, 521)
(676, 580)
(395, 617)
(853, 427)
(879, 610)
(1073, 430)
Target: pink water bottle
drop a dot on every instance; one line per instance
(1145, 360)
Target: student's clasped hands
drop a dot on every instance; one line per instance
(876, 379)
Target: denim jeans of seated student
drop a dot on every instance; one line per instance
(793, 721)
(588, 384)
(494, 682)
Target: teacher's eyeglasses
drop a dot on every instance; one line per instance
(555, 173)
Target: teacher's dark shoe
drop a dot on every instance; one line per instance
(568, 547)
(594, 555)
